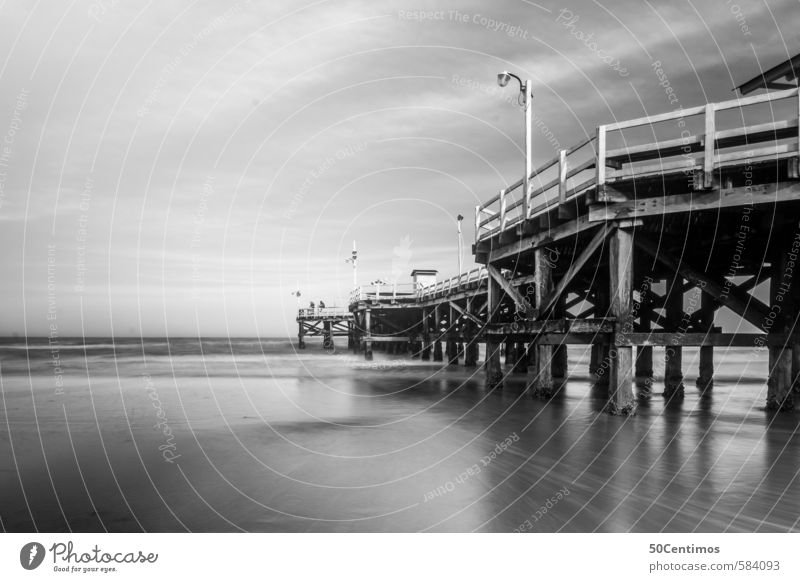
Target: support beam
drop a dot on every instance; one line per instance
(437, 351)
(673, 355)
(725, 292)
(521, 302)
(709, 201)
(327, 340)
(620, 261)
(426, 335)
(368, 334)
(494, 371)
(452, 352)
(437, 326)
(705, 378)
(560, 361)
(574, 268)
(644, 354)
(783, 298)
(520, 358)
(542, 383)
(466, 313)
(599, 362)
(796, 368)
(471, 351)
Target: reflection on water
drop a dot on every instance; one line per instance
(262, 438)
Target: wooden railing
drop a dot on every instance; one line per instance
(309, 312)
(556, 182)
(694, 152)
(463, 281)
(388, 292)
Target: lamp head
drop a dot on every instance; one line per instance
(503, 78)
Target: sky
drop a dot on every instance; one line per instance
(182, 168)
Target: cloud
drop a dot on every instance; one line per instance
(314, 124)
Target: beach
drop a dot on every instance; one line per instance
(219, 435)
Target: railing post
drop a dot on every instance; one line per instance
(394, 292)
(503, 218)
(710, 139)
(477, 223)
(562, 177)
(797, 159)
(600, 163)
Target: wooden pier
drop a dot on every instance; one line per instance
(324, 322)
(636, 237)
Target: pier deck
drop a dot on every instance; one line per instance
(638, 236)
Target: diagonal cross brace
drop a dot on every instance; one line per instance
(467, 314)
(737, 300)
(574, 268)
(518, 298)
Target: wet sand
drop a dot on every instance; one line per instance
(244, 441)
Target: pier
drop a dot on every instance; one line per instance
(640, 235)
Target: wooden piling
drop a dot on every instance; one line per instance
(494, 371)
(599, 359)
(510, 352)
(367, 335)
(471, 352)
(327, 339)
(542, 382)
(644, 354)
(782, 301)
(452, 352)
(796, 367)
(560, 361)
(705, 378)
(520, 358)
(673, 353)
(621, 399)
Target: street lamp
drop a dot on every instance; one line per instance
(527, 95)
(459, 218)
(354, 259)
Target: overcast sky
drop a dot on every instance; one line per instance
(178, 167)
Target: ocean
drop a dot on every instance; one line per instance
(218, 434)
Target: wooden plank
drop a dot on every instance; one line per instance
(574, 268)
(651, 119)
(763, 98)
(697, 202)
(629, 173)
(528, 243)
(759, 154)
(655, 338)
(743, 304)
(656, 150)
(749, 134)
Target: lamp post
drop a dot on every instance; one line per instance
(527, 95)
(354, 259)
(459, 218)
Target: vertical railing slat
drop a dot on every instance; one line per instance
(478, 223)
(710, 139)
(600, 162)
(503, 217)
(562, 177)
